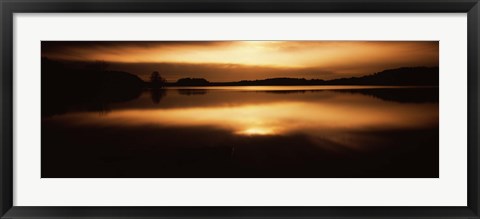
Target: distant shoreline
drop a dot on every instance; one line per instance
(408, 76)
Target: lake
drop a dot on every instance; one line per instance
(271, 131)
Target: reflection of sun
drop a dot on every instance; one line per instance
(256, 131)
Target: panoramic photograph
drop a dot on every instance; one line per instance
(239, 109)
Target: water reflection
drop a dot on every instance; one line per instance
(246, 132)
(188, 92)
(157, 94)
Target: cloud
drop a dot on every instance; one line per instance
(234, 60)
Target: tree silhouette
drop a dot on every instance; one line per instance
(156, 80)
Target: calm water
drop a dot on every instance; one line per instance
(294, 131)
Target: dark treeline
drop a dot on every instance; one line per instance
(414, 76)
(95, 73)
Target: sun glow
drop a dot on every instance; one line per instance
(256, 131)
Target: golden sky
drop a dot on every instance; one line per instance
(240, 60)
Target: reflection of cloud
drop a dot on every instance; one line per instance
(319, 120)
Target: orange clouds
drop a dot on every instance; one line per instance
(341, 57)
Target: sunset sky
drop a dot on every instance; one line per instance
(248, 60)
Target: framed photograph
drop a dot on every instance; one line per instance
(239, 109)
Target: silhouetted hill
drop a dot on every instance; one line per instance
(121, 86)
(400, 76)
(90, 87)
(414, 76)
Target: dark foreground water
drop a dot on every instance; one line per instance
(314, 131)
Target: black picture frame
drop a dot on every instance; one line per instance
(9, 7)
